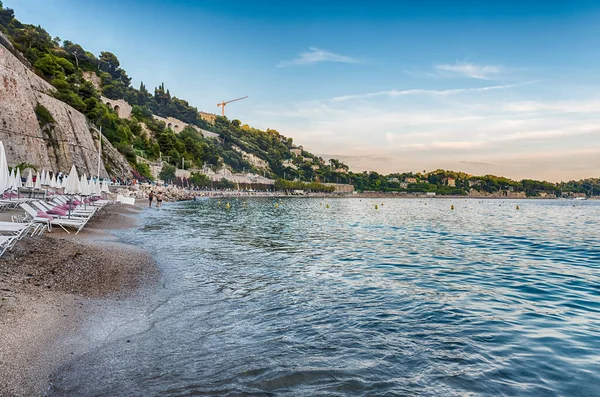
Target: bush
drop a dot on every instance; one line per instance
(144, 170)
(167, 173)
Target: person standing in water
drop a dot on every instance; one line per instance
(150, 198)
(159, 199)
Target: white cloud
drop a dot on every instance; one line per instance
(454, 91)
(483, 72)
(458, 128)
(316, 55)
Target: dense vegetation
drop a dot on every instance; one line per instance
(63, 64)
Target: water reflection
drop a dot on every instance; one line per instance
(409, 299)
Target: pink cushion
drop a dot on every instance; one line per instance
(57, 211)
(76, 202)
(41, 214)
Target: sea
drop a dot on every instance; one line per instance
(354, 297)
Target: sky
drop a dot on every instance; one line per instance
(486, 87)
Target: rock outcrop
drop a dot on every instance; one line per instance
(39, 129)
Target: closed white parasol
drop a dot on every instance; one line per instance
(29, 181)
(38, 181)
(18, 182)
(4, 174)
(72, 185)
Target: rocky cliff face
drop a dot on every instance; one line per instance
(36, 128)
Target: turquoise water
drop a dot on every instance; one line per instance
(409, 299)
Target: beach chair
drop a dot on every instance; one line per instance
(79, 213)
(63, 223)
(6, 242)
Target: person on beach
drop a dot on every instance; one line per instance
(159, 199)
(150, 198)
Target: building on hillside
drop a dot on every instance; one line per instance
(209, 117)
(449, 182)
(404, 185)
(474, 182)
(410, 180)
(393, 180)
(297, 151)
(315, 166)
(307, 159)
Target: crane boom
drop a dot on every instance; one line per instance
(223, 103)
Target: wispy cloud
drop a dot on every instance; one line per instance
(437, 93)
(482, 72)
(315, 55)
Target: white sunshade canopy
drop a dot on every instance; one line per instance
(4, 174)
(18, 182)
(83, 182)
(38, 181)
(29, 181)
(12, 178)
(42, 178)
(72, 183)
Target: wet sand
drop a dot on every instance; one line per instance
(49, 284)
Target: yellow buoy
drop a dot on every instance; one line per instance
(218, 202)
(452, 207)
(376, 207)
(276, 205)
(320, 203)
(327, 206)
(228, 206)
(517, 207)
(244, 203)
(382, 204)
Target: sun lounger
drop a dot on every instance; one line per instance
(73, 222)
(6, 242)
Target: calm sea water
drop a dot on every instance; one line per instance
(410, 299)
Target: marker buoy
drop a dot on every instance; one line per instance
(228, 206)
(218, 202)
(452, 207)
(376, 207)
(327, 206)
(517, 207)
(276, 205)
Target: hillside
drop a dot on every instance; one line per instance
(160, 126)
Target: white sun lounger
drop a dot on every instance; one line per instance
(6, 242)
(75, 223)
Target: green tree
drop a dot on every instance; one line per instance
(167, 173)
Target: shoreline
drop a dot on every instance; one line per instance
(50, 284)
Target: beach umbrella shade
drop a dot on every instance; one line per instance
(18, 182)
(105, 188)
(72, 187)
(83, 185)
(42, 177)
(38, 181)
(72, 183)
(53, 181)
(4, 174)
(29, 181)
(11, 179)
(98, 189)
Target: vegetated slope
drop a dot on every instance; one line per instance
(62, 63)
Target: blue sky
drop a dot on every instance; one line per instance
(504, 87)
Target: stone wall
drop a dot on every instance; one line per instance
(177, 126)
(341, 187)
(121, 107)
(53, 145)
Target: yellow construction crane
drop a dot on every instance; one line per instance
(223, 103)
